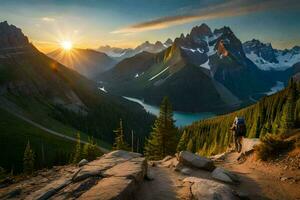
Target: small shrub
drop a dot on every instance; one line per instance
(2, 173)
(272, 146)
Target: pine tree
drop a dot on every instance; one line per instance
(77, 150)
(190, 146)
(182, 142)
(28, 160)
(288, 115)
(120, 143)
(90, 150)
(163, 138)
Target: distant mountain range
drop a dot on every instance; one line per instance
(203, 71)
(87, 62)
(268, 58)
(91, 63)
(119, 53)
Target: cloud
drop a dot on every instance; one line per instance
(48, 19)
(227, 9)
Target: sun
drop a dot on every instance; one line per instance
(66, 45)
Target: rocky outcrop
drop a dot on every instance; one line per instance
(189, 159)
(11, 36)
(115, 175)
(210, 190)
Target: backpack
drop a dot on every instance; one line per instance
(240, 126)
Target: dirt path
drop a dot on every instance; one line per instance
(166, 185)
(258, 181)
(8, 107)
(263, 181)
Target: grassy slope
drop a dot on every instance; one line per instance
(35, 81)
(38, 111)
(14, 135)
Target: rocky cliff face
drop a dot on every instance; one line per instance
(115, 175)
(11, 36)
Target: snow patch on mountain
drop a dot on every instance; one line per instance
(288, 58)
(268, 58)
(211, 47)
(102, 89)
(193, 50)
(213, 37)
(206, 65)
(153, 77)
(284, 61)
(276, 88)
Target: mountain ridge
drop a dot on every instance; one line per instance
(218, 54)
(87, 62)
(122, 53)
(56, 97)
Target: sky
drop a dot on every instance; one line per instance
(127, 23)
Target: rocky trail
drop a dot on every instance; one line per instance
(129, 176)
(260, 180)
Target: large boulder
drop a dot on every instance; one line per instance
(248, 145)
(82, 162)
(189, 159)
(133, 169)
(224, 175)
(204, 189)
(107, 161)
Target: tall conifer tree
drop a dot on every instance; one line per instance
(163, 138)
(120, 143)
(28, 160)
(288, 115)
(77, 151)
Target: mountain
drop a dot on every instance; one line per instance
(120, 54)
(37, 88)
(85, 61)
(202, 62)
(268, 58)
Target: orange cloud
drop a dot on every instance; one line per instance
(227, 9)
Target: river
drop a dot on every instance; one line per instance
(181, 118)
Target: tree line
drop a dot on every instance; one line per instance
(275, 114)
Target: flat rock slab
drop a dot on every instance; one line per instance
(50, 189)
(107, 161)
(115, 175)
(123, 154)
(204, 189)
(133, 169)
(189, 159)
(111, 188)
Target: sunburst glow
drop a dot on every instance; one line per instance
(66, 45)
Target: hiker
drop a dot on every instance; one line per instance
(239, 130)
